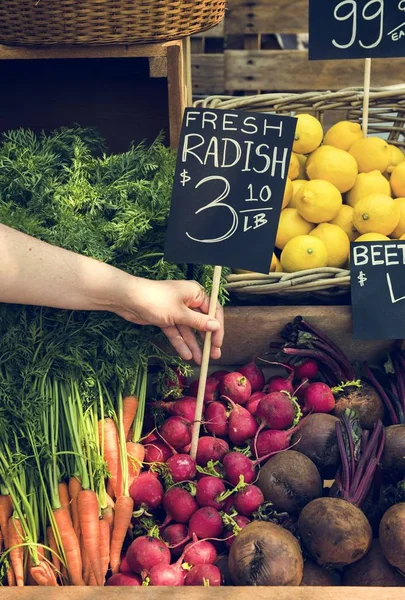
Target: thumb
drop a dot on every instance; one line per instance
(199, 321)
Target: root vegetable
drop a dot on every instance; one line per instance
(248, 500)
(308, 369)
(242, 425)
(254, 375)
(236, 387)
(176, 431)
(236, 464)
(253, 402)
(318, 398)
(314, 575)
(206, 522)
(270, 440)
(145, 552)
(219, 375)
(334, 532)
(277, 383)
(211, 389)
(364, 400)
(265, 554)
(173, 535)
(204, 575)
(316, 438)
(373, 570)
(392, 535)
(124, 580)
(200, 553)
(210, 448)
(179, 505)
(124, 567)
(181, 467)
(183, 407)
(241, 523)
(277, 411)
(157, 451)
(216, 419)
(146, 491)
(392, 460)
(208, 490)
(289, 481)
(166, 575)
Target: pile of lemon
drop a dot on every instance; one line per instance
(341, 187)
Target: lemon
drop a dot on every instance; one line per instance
(318, 201)
(333, 165)
(372, 237)
(400, 228)
(302, 159)
(273, 264)
(279, 268)
(397, 180)
(368, 183)
(308, 134)
(344, 220)
(397, 156)
(370, 154)
(336, 241)
(297, 185)
(290, 225)
(288, 192)
(376, 213)
(304, 252)
(343, 135)
(402, 237)
(294, 168)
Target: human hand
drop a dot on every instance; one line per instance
(178, 308)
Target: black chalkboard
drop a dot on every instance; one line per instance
(356, 29)
(378, 290)
(229, 184)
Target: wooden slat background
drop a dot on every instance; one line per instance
(207, 72)
(266, 16)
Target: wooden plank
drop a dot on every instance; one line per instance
(250, 329)
(266, 16)
(176, 92)
(217, 31)
(157, 67)
(290, 70)
(208, 73)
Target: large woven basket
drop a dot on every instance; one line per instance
(52, 22)
(386, 118)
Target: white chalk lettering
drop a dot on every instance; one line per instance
(392, 296)
(375, 253)
(265, 156)
(360, 255)
(277, 127)
(190, 116)
(246, 225)
(187, 150)
(259, 220)
(253, 126)
(209, 117)
(249, 145)
(238, 153)
(389, 254)
(277, 161)
(212, 152)
(226, 124)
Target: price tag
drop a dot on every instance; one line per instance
(378, 290)
(228, 190)
(341, 29)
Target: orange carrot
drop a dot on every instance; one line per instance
(92, 580)
(64, 496)
(74, 488)
(136, 455)
(1, 540)
(70, 545)
(111, 453)
(104, 546)
(10, 577)
(129, 408)
(43, 574)
(87, 504)
(6, 510)
(15, 538)
(30, 581)
(123, 513)
(54, 547)
(86, 564)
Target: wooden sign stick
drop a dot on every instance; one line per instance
(366, 97)
(216, 280)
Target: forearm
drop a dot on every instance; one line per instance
(33, 272)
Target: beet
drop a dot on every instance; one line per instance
(248, 500)
(211, 389)
(241, 522)
(308, 369)
(176, 431)
(254, 375)
(253, 402)
(314, 575)
(179, 504)
(157, 451)
(216, 419)
(364, 400)
(181, 467)
(208, 489)
(203, 574)
(206, 522)
(316, 438)
(124, 580)
(173, 535)
(373, 570)
(210, 448)
(242, 425)
(236, 387)
(200, 553)
(277, 411)
(146, 552)
(392, 460)
(146, 491)
(392, 535)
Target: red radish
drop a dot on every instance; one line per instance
(145, 552)
(219, 375)
(211, 389)
(157, 452)
(241, 522)
(183, 407)
(150, 438)
(210, 448)
(253, 402)
(124, 580)
(146, 491)
(254, 375)
(280, 384)
(181, 467)
(228, 505)
(200, 553)
(174, 535)
(318, 398)
(204, 575)
(179, 505)
(308, 369)
(168, 575)
(124, 567)
(277, 411)
(216, 419)
(176, 431)
(208, 489)
(242, 425)
(236, 387)
(206, 522)
(236, 464)
(176, 380)
(248, 500)
(270, 440)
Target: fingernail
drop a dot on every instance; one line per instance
(213, 325)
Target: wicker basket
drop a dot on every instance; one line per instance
(386, 117)
(52, 22)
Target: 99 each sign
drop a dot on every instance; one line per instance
(378, 290)
(228, 190)
(356, 29)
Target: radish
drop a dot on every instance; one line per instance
(248, 500)
(236, 387)
(208, 489)
(183, 407)
(204, 575)
(168, 575)
(242, 425)
(211, 389)
(216, 419)
(146, 492)
(210, 448)
(174, 380)
(219, 375)
(319, 398)
(228, 506)
(174, 535)
(150, 437)
(240, 523)
(125, 569)
(254, 375)
(253, 402)
(176, 431)
(280, 384)
(270, 440)
(181, 467)
(179, 505)
(308, 369)
(206, 522)
(236, 465)
(277, 411)
(124, 580)
(157, 452)
(145, 552)
(200, 553)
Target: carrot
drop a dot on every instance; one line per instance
(129, 408)
(43, 574)
(70, 545)
(54, 547)
(87, 504)
(6, 510)
(104, 546)
(136, 455)
(10, 577)
(15, 538)
(92, 580)
(30, 581)
(123, 513)
(1, 540)
(111, 453)
(86, 564)
(64, 496)
(74, 488)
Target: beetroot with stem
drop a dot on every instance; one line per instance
(174, 535)
(204, 575)
(146, 492)
(248, 500)
(205, 523)
(253, 402)
(318, 398)
(242, 425)
(211, 389)
(208, 490)
(145, 552)
(183, 407)
(179, 505)
(176, 431)
(181, 467)
(200, 552)
(216, 419)
(254, 375)
(157, 452)
(210, 448)
(307, 369)
(236, 387)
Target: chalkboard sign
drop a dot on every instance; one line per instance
(356, 29)
(378, 290)
(229, 184)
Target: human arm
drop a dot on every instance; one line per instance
(33, 272)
